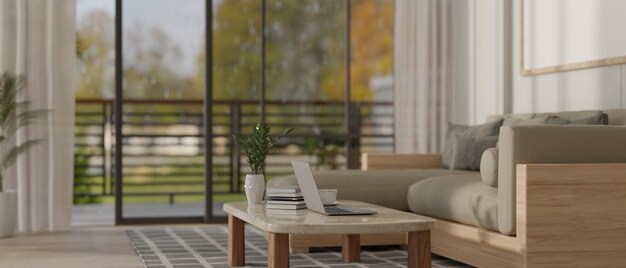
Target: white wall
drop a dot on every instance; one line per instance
(595, 88)
(482, 60)
(494, 83)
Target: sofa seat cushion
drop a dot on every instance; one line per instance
(459, 198)
(386, 188)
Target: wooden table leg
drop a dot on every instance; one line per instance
(351, 248)
(236, 248)
(419, 250)
(278, 251)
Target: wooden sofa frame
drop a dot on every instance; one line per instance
(568, 215)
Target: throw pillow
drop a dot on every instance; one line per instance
(489, 167)
(468, 151)
(601, 119)
(487, 129)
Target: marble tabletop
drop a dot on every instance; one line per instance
(304, 221)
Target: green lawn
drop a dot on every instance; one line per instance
(222, 187)
(221, 198)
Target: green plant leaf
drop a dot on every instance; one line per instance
(13, 116)
(10, 157)
(257, 145)
(287, 131)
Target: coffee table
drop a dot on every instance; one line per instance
(280, 224)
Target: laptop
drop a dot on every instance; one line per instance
(312, 198)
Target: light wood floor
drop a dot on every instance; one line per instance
(81, 247)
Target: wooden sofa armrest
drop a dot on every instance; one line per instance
(572, 215)
(399, 161)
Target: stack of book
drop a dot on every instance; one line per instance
(289, 198)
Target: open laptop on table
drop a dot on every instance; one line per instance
(312, 198)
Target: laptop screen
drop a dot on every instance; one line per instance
(306, 181)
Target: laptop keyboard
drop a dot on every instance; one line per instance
(336, 210)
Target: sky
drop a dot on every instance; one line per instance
(182, 20)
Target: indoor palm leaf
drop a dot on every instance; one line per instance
(257, 145)
(14, 115)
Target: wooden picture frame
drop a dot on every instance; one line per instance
(562, 67)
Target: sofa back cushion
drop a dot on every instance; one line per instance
(512, 121)
(600, 119)
(489, 160)
(619, 115)
(551, 144)
(616, 117)
(571, 115)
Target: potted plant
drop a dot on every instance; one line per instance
(13, 116)
(256, 146)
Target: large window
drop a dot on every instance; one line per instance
(321, 66)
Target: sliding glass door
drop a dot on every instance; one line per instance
(191, 73)
(306, 86)
(236, 94)
(161, 103)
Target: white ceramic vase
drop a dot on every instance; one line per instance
(255, 188)
(8, 213)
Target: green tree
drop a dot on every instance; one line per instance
(151, 62)
(372, 44)
(304, 52)
(236, 51)
(305, 49)
(96, 56)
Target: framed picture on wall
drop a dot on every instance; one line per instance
(562, 35)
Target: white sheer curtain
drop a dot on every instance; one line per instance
(421, 70)
(38, 40)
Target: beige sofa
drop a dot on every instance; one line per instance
(560, 199)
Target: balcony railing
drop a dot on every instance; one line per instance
(163, 152)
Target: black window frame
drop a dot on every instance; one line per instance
(350, 113)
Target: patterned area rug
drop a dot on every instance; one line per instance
(206, 247)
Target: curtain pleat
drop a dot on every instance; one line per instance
(39, 41)
(421, 71)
